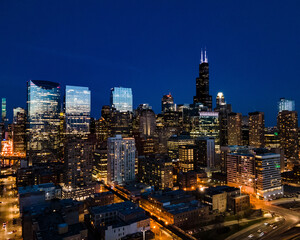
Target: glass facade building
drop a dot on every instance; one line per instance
(121, 99)
(43, 107)
(3, 109)
(77, 109)
(206, 125)
(285, 104)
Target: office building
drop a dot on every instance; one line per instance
(174, 142)
(235, 129)
(202, 83)
(206, 125)
(206, 155)
(286, 105)
(77, 110)
(256, 129)
(188, 157)
(43, 107)
(121, 99)
(19, 130)
(223, 109)
(3, 110)
(167, 103)
(145, 120)
(287, 124)
(121, 159)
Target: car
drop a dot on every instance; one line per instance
(4, 225)
(275, 227)
(261, 234)
(266, 224)
(259, 231)
(251, 236)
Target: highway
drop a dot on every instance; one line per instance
(288, 220)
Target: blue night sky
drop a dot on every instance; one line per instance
(154, 48)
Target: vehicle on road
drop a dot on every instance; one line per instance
(251, 236)
(261, 234)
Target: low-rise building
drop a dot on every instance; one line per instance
(37, 194)
(100, 199)
(53, 220)
(175, 207)
(115, 221)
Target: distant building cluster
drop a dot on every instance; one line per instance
(103, 178)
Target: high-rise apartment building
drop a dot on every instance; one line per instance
(235, 129)
(77, 109)
(256, 129)
(121, 99)
(285, 104)
(156, 170)
(256, 171)
(78, 161)
(121, 159)
(202, 83)
(287, 124)
(43, 108)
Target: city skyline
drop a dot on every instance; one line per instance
(242, 54)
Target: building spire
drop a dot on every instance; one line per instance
(201, 59)
(205, 56)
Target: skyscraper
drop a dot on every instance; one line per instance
(43, 107)
(167, 103)
(256, 129)
(3, 109)
(202, 83)
(121, 99)
(223, 109)
(120, 159)
(220, 99)
(235, 129)
(77, 109)
(285, 104)
(206, 125)
(287, 124)
(78, 161)
(18, 130)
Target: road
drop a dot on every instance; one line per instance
(289, 220)
(9, 210)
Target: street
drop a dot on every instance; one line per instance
(9, 210)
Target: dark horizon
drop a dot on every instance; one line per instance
(154, 48)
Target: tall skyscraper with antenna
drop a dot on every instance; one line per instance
(202, 83)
